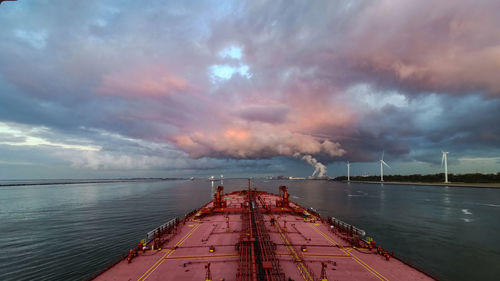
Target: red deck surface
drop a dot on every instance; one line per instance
(187, 253)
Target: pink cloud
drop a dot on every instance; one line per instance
(149, 82)
(255, 142)
(268, 123)
(428, 46)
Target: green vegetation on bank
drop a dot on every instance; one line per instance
(465, 178)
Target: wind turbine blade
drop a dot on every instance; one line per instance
(383, 162)
(442, 160)
(382, 155)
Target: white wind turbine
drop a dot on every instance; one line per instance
(382, 163)
(348, 171)
(445, 161)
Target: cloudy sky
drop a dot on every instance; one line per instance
(196, 88)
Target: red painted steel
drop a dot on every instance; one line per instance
(252, 235)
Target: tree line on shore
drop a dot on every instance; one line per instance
(466, 178)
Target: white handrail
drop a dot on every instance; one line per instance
(151, 234)
(345, 225)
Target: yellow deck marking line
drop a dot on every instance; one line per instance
(167, 254)
(327, 255)
(159, 260)
(313, 254)
(153, 267)
(203, 257)
(362, 263)
(171, 252)
(358, 260)
(292, 251)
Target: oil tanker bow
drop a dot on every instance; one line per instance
(255, 235)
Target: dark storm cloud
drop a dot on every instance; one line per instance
(453, 49)
(336, 79)
(466, 125)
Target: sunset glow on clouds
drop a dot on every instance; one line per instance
(142, 83)
(196, 87)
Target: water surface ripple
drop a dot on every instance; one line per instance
(67, 232)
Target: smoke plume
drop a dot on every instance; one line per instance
(319, 168)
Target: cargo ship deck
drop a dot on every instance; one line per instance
(255, 235)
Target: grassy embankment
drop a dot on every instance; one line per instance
(465, 180)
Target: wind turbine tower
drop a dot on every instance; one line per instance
(348, 171)
(382, 163)
(444, 160)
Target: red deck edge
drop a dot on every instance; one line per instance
(218, 207)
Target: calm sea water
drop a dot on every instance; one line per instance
(67, 232)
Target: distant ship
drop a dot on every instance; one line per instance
(212, 178)
(296, 178)
(251, 235)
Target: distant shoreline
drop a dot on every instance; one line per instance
(451, 184)
(64, 182)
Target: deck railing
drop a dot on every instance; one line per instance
(150, 235)
(347, 227)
